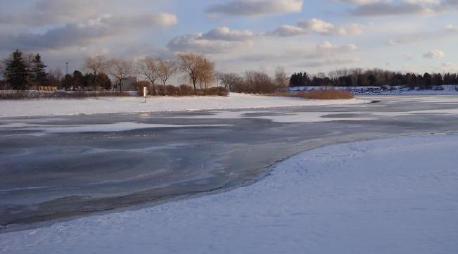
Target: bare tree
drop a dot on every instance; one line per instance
(150, 69)
(166, 69)
(96, 65)
(199, 69)
(281, 79)
(258, 82)
(206, 72)
(231, 81)
(120, 69)
(191, 64)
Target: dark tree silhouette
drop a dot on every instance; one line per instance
(16, 71)
(38, 74)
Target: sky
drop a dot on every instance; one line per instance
(240, 35)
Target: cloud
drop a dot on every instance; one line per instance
(288, 30)
(134, 22)
(448, 31)
(314, 53)
(218, 40)
(226, 34)
(451, 29)
(392, 8)
(449, 67)
(81, 34)
(327, 47)
(359, 2)
(256, 7)
(49, 12)
(328, 62)
(61, 37)
(434, 54)
(317, 26)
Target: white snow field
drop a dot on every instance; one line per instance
(46, 107)
(387, 196)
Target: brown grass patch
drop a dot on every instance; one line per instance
(317, 95)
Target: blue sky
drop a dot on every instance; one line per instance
(240, 35)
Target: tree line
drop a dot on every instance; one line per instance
(24, 72)
(376, 77)
(254, 82)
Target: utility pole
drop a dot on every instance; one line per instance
(66, 68)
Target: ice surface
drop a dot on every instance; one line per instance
(387, 196)
(47, 107)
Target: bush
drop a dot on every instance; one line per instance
(328, 95)
(183, 90)
(217, 91)
(186, 90)
(26, 94)
(172, 91)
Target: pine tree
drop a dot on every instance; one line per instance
(16, 72)
(38, 73)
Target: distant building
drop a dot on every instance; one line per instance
(128, 84)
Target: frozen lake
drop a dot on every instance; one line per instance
(58, 167)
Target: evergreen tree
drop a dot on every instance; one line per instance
(427, 81)
(38, 73)
(67, 82)
(16, 72)
(372, 79)
(78, 80)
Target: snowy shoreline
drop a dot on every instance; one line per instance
(362, 197)
(108, 105)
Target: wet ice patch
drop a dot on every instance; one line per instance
(113, 127)
(289, 117)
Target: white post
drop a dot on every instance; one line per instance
(145, 92)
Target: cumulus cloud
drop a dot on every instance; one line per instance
(137, 21)
(403, 7)
(67, 26)
(328, 62)
(48, 12)
(448, 31)
(328, 47)
(317, 26)
(226, 34)
(218, 40)
(61, 37)
(81, 34)
(434, 54)
(288, 30)
(256, 7)
(313, 53)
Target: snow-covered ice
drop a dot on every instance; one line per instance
(46, 107)
(387, 196)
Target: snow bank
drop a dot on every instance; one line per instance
(388, 196)
(44, 107)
